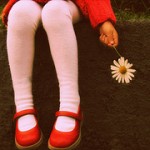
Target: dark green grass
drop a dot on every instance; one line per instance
(131, 16)
(1, 24)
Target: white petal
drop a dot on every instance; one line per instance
(123, 78)
(115, 75)
(118, 76)
(115, 71)
(119, 61)
(119, 80)
(114, 67)
(127, 79)
(129, 65)
(122, 61)
(126, 62)
(130, 74)
(116, 63)
(131, 70)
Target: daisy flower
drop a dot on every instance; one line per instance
(121, 70)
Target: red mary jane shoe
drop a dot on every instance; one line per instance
(66, 140)
(27, 140)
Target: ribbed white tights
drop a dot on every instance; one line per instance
(57, 17)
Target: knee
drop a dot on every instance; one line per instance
(24, 14)
(54, 13)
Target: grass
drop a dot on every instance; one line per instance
(1, 24)
(131, 16)
(122, 15)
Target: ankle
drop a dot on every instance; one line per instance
(70, 106)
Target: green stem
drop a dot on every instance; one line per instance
(117, 51)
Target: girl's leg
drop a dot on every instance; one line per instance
(23, 21)
(58, 18)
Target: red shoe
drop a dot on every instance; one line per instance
(66, 140)
(30, 139)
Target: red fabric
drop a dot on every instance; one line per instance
(24, 112)
(100, 11)
(78, 116)
(97, 11)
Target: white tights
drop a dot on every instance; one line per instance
(57, 17)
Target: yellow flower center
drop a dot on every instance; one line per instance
(122, 69)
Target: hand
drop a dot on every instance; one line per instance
(108, 34)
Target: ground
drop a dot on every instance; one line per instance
(116, 116)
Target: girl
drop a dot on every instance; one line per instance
(22, 18)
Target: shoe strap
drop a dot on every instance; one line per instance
(24, 112)
(78, 116)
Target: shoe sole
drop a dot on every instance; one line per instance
(34, 146)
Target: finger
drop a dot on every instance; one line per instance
(102, 38)
(106, 40)
(110, 40)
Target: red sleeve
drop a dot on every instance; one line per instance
(6, 10)
(97, 11)
(100, 11)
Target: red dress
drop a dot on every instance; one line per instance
(97, 11)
